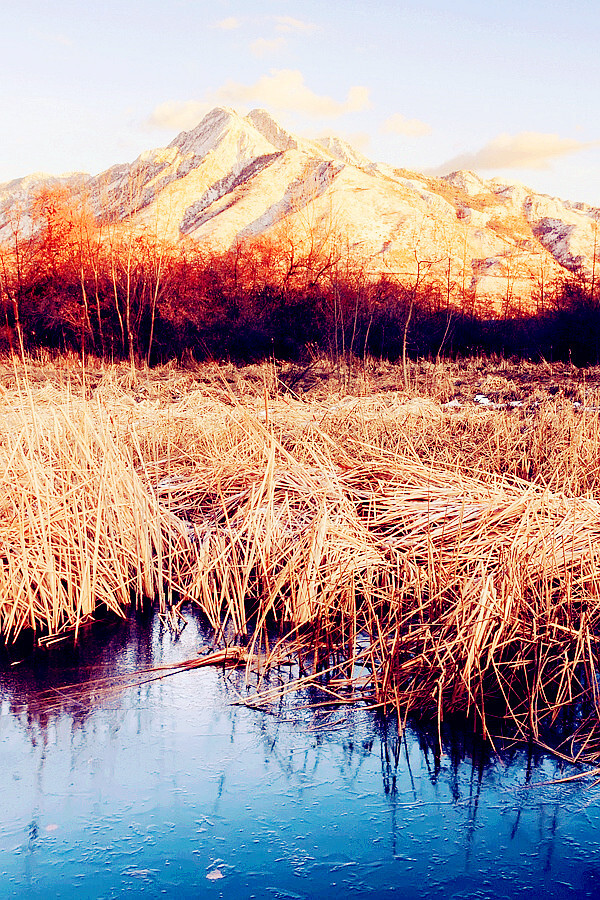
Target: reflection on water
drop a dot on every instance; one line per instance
(169, 788)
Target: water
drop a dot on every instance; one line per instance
(169, 789)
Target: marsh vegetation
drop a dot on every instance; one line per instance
(342, 532)
(329, 495)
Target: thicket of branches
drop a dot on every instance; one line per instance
(73, 283)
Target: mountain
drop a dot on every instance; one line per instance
(234, 178)
(16, 199)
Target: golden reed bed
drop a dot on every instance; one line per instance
(393, 545)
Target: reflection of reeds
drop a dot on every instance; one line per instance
(94, 691)
(415, 584)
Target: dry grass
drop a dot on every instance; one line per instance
(79, 528)
(429, 560)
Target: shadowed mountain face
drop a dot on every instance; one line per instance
(235, 178)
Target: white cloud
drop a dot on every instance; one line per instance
(527, 150)
(399, 124)
(228, 24)
(264, 47)
(283, 91)
(178, 115)
(288, 24)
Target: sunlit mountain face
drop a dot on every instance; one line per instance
(236, 179)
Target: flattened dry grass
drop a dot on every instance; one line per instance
(420, 572)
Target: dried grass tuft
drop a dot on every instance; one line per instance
(79, 529)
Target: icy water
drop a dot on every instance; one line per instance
(170, 789)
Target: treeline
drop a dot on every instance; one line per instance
(74, 284)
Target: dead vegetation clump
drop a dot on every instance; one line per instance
(79, 528)
(427, 560)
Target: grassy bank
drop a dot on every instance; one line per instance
(429, 558)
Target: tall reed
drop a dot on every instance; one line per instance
(400, 562)
(79, 529)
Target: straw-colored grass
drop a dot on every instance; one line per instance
(79, 529)
(426, 559)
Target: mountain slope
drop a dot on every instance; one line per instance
(236, 178)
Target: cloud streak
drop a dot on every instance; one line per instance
(228, 24)
(177, 115)
(288, 25)
(282, 90)
(527, 150)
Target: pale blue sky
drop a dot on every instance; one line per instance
(510, 89)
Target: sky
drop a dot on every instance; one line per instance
(508, 89)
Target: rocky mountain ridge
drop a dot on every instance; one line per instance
(233, 178)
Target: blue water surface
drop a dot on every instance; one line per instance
(172, 789)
